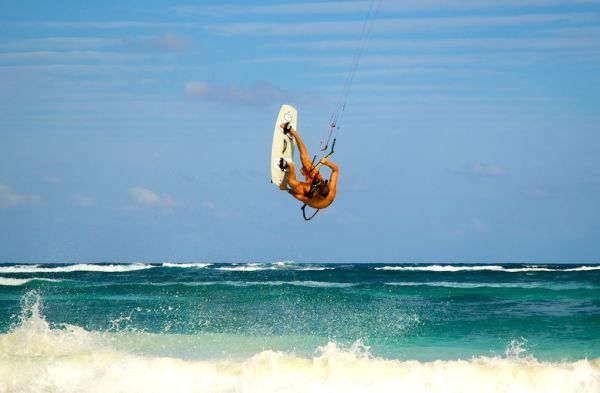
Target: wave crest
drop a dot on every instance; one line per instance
(80, 267)
(494, 268)
(286, 265)
(36, 356)
(13, 282)
(187, 265)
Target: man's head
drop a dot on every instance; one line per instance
(323, 189)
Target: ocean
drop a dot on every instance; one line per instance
(293, 327)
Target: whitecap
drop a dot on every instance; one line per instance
(82, 267)
(308, 283)
(12, 282)
(250, 267)
(282, 265)
(187, 265)
(471, 285)
(583, 268)
(442, 268)
(495, 268)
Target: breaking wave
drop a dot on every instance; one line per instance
(12, 282)
(36, 356)
(81, 267)
(495, 268)
(253, 267)
(471, 285)
(187, 265)
(310, 284)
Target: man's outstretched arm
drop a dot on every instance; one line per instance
(332, 182)
(334, 173)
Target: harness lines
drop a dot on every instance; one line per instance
(338, 113)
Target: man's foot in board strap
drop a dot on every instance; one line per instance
(287, 127)
(283, 165)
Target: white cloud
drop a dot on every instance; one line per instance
(52, 179)
(361, 7)
(147, 197)
(83, 200)
(62, 43)
(78, 46)
(208, 204)
(568, 40)
(169, 42)
(338, 7)
(88, 68)
(69, 56)
(10, 198)
(478, 223)
(108, 25)
(395, 25)
(258, 94)
(487, 170)
(144, 196)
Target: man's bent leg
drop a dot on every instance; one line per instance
(304, 158)
(292, 180)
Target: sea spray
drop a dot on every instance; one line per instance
(288, 327)
(31, 335)
(37, 356)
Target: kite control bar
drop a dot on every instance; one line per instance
(313, 166)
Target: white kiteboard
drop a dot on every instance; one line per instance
(283, 145)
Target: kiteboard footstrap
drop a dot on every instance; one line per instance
(283, 164)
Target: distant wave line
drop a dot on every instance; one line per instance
(495, 268)
(121, 268)
(187, 265)
(308, 283)
(82, 267)
(13, 282)
(251, 267)
(470, 285)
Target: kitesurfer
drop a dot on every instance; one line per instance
(316, 191)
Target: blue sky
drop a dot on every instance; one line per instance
(141, 131)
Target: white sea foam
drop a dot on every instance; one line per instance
(187, 265)
(37, 357)
(248, 267)
(282, 265)
(470, 285)
(74, 360)
(583, 268)
(532, 269)
(312, 284)
(495, 268)
(313, 268)
(323, 284)
(81, 267)
(442, 268)
(8, 281)
(462, 285)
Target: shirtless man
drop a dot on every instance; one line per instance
(315, 191)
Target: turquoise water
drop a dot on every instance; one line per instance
(539, 316)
